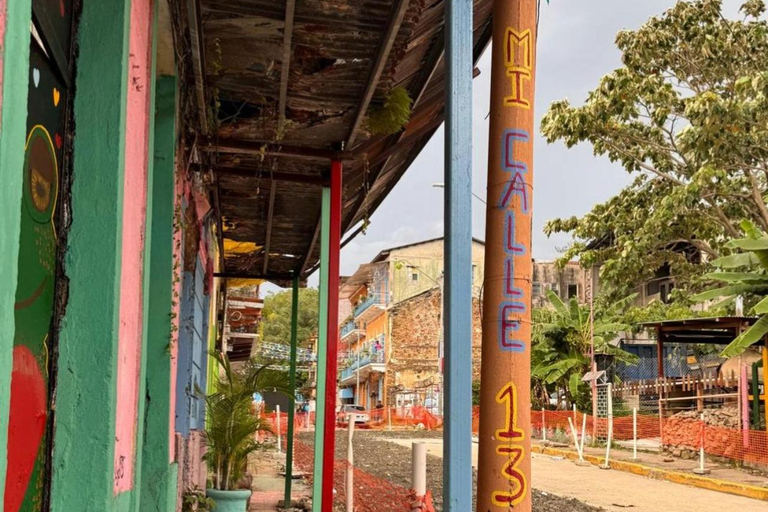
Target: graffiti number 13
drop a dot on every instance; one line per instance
(513, 453)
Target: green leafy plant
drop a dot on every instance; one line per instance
(392, 115)
(687, 116)
(562, 337)
(744, 273)
(195, 500)
(232, 428)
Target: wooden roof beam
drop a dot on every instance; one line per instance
(276, 150)
(198, 61)
(307, 179)
(388, 39)
(270, 215)
(290, 9)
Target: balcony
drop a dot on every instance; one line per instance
(350, 330)
(367, 363)
(369, 309)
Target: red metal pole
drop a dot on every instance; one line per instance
(333, 336)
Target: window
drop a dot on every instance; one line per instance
(474, 273)
(414, 276)
(573, 290)
(537, 289)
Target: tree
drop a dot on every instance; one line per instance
(562, 337)
(687, 115)
(276, 317)
(744, 273)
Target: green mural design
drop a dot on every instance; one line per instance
(33, 311)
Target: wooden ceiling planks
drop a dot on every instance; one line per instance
(341, 57)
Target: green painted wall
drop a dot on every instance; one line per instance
(85, 408)
(14, 83)
(158, 482)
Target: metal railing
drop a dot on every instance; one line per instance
(376, 357)
(348, 328)
(369, 301)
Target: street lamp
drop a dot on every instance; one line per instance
(442, 185)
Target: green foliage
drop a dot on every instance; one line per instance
(751, 280)
(276, 317)
(476, 392)
(687, 115)
(195, 500)
(562, 337)
(232, 427)
(391, 116)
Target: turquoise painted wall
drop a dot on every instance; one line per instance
(13, 120)
(84, 436)
(158, 479)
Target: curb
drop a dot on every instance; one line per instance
(712, 484)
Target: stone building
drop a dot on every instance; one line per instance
(394, 303)
(569, 281)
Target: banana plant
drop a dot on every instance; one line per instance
(743, 273)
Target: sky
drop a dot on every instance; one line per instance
(575, 49)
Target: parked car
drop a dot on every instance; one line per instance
(360, 415)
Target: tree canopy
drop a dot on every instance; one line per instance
(276, 317)
(687, 115)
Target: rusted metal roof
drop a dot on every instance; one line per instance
(280, 84)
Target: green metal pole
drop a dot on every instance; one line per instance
(322, 361)
(291, 411)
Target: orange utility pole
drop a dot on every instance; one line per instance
(504, 469)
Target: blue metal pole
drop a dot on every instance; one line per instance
(457, 320)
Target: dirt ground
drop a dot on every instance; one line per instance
(381, 458)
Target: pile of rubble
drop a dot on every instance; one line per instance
(683, 432)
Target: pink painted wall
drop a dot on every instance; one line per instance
(134, 219)
(2, 50)
(177, 264)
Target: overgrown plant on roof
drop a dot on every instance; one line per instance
(392, 115)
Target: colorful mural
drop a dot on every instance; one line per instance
(28, 425)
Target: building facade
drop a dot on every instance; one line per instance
(391, 340)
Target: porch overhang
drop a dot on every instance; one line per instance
(273, 91)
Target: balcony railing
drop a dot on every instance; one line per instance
(348, 328)
(376, 357)
(365, 304)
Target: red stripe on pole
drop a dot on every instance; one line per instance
(333, 336)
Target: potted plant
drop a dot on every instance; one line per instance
(232, 428)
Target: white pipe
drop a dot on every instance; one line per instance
(419, 469)
(350, 465)
(277, 426)
(610, 425)
(543, 426)
(575, 435)
(583, 432)
(634, 433)
(701, 447)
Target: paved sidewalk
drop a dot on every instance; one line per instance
(268, 485)
(613, 490)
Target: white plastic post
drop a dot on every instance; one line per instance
(583, 431)
(350, 466)
(277, 427)
(575, 435)
(609, 392)
(634, 433)
(543, 426)
(575, 418)
(419, 469)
